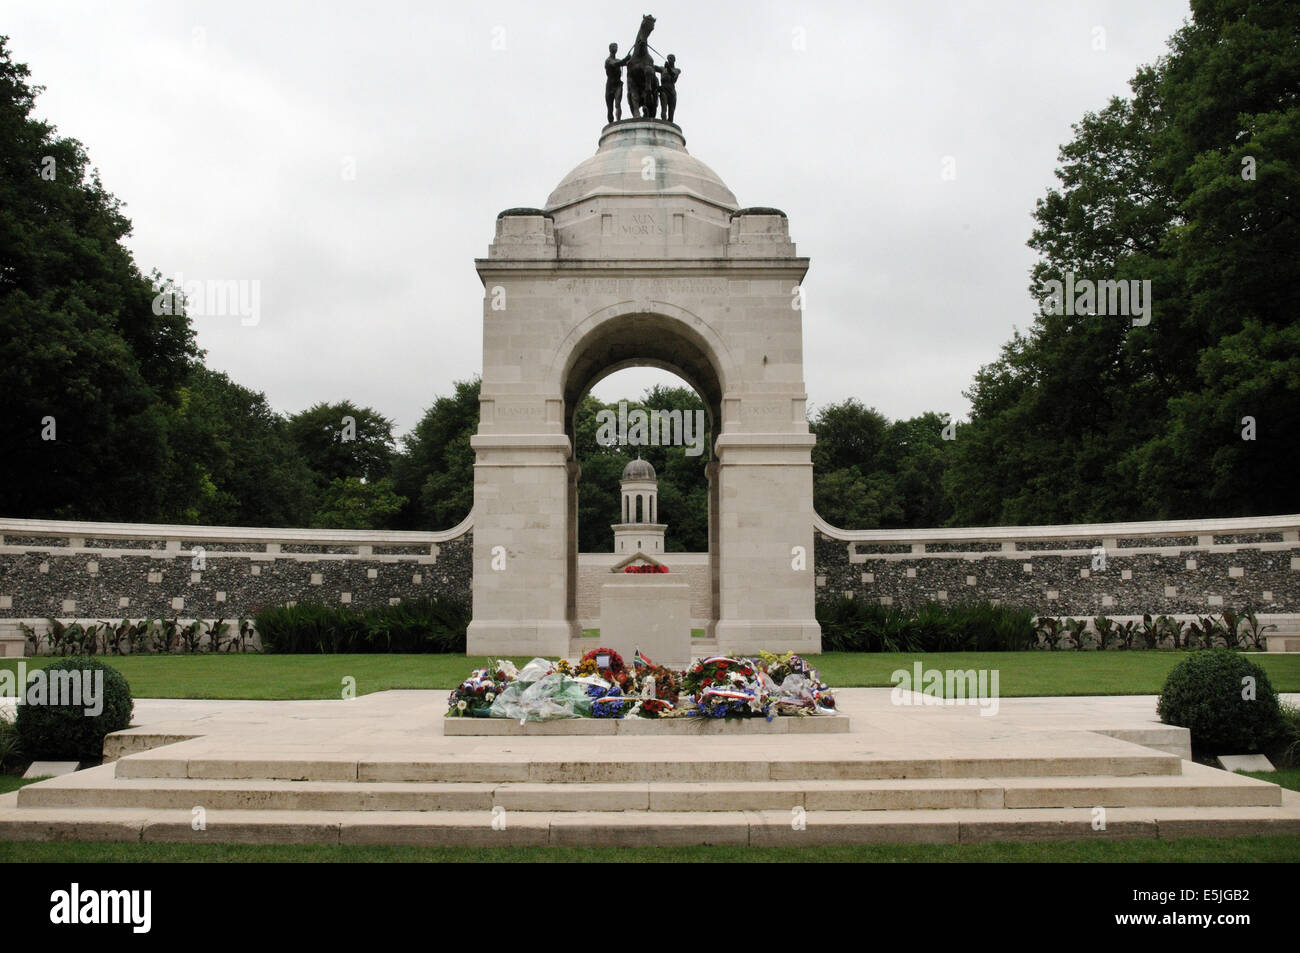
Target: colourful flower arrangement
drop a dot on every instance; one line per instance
(615, 669)
(654, 707)
(601, 683)
(646, 567)
(666, 682)
(474, 696)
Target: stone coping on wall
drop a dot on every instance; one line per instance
(1288, 525)
(1166, 537)
(165, 541)
(242, 534)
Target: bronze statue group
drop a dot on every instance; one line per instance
(650, 89)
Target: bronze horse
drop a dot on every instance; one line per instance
(642, 98)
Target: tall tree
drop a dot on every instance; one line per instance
(343, 440)
(89, 368)
(870, 472)
(1191, 185)
(435, 470)
(233, 463)
(351, 503)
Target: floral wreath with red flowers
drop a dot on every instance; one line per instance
(616, 672)
(654, 707)
(474, 696)
(717, 672)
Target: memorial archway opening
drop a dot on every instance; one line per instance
(643, 473)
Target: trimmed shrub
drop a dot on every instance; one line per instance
(1286, 752)
(10, 743)
(66, 732)
(856, 625)
(422, 625)
(1204, 693)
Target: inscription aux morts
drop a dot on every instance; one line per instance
(633, 224)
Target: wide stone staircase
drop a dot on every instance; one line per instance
(785, 790)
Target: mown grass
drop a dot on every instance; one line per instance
(1038, 673)
(1020, 674)
(1235, 850)
(11, 782)
(1288, 778)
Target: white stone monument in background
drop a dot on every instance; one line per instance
(647, 611)
(642, 256)
(639, 529)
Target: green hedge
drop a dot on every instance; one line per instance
(66, 732)
(1206, 694)
(856, 625)
(423, 625)
(11, 746)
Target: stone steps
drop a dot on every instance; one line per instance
(785, 828)
(382, 770)
(527, 763)
(1203, 787)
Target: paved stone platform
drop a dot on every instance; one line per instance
(382, 769)
(675, 727)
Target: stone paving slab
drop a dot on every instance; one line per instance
(676, 727)
(1245, 762)
(655, 758)
(1198, 786)
(418, 716)
(646, 828)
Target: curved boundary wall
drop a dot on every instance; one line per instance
(93, 572)
(1180, 568)
(107, 571)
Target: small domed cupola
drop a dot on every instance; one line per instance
(639, 470)
(639, 529)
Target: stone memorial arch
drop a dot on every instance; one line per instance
(642, 256)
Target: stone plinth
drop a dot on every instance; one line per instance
(647, 612)
(782, 725)
(13, 641)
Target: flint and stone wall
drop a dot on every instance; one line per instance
(109, 571)
(1177, 568)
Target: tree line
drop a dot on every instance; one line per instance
(1190, 187)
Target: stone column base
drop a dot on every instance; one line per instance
(747, 637)
(508, 637)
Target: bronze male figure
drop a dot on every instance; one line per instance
(668, 74)
(614, 83)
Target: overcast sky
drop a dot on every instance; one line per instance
(351, 158)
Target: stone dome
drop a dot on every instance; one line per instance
(639, 469)
(618, 167)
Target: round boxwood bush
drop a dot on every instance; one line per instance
(1204, 693)
(65, 732)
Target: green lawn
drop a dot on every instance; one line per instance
(1235, 850)
(1023, 674)
(321, 676)
(1288, 778)
(11, 782)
